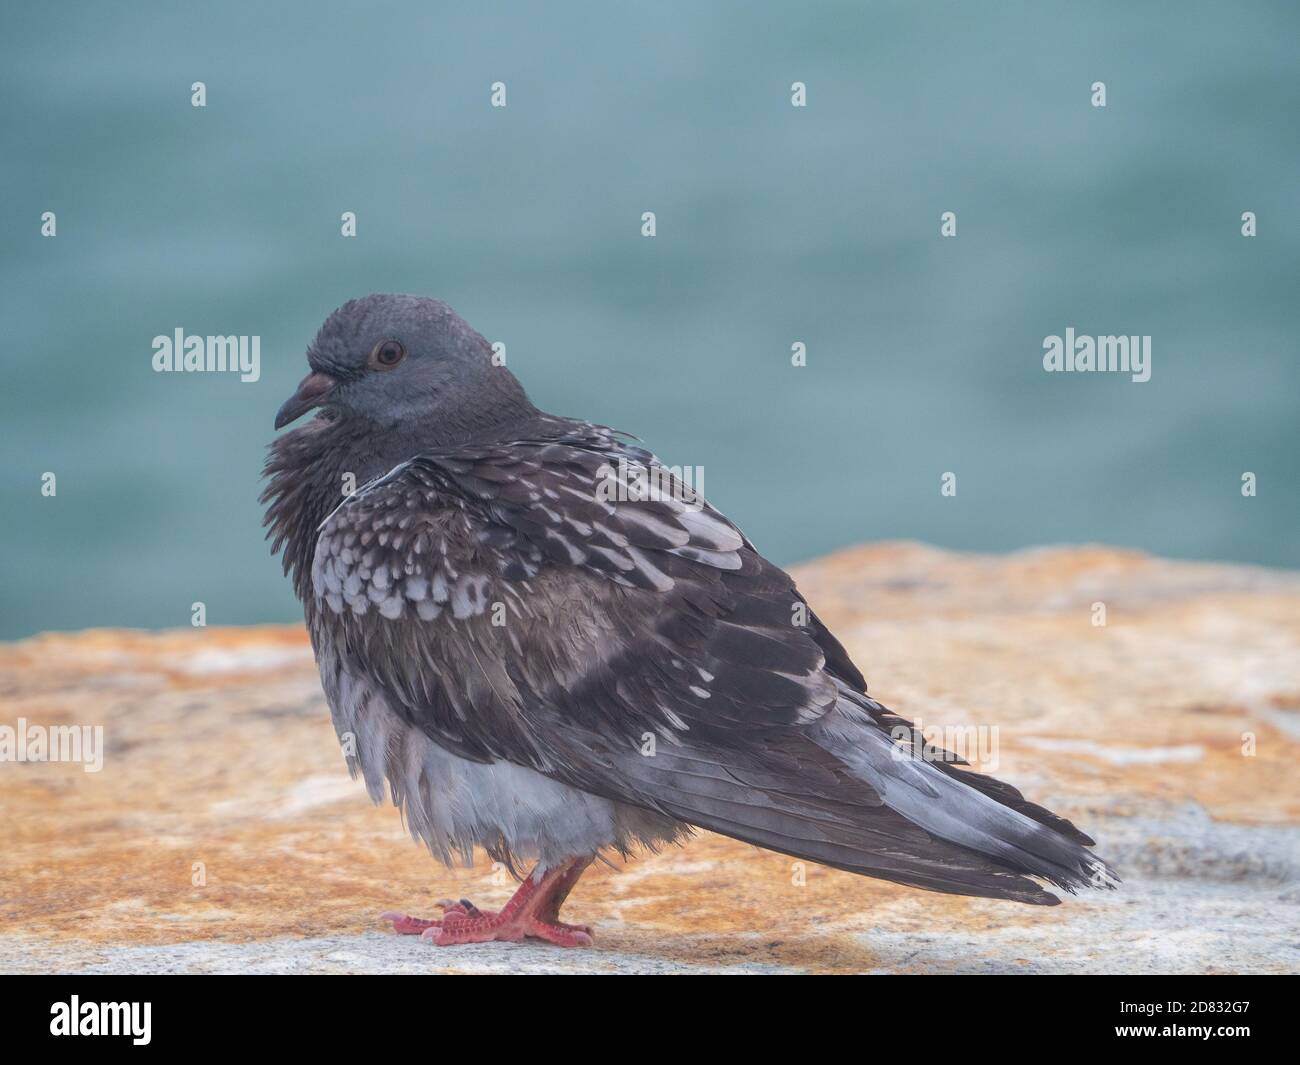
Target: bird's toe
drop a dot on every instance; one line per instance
(405, 925)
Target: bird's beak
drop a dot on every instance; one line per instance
(312, 391)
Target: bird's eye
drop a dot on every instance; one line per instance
(387, 354)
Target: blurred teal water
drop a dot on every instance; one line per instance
(775, 225)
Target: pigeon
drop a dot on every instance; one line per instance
(537, 640)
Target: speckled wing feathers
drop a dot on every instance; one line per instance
(516, 507)
(694, 623)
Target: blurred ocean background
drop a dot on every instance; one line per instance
(775, 225)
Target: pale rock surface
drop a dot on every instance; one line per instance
(223, 834)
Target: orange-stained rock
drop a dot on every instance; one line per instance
(223, 833)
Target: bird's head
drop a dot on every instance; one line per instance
(385, 361)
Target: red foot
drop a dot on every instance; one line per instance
(533, 911)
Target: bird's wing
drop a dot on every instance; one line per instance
(554, 574)
(566, 604)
